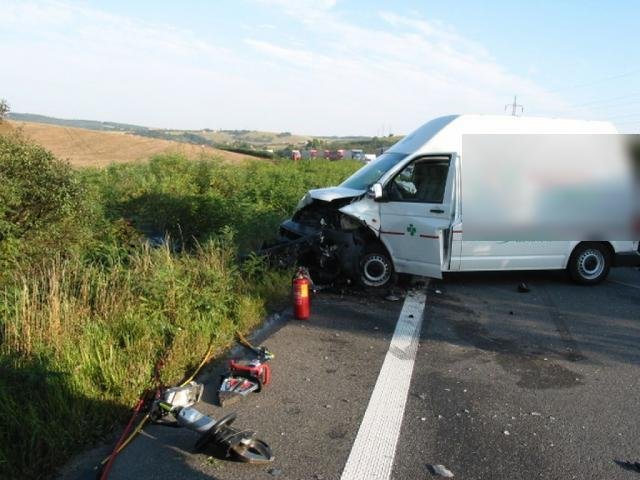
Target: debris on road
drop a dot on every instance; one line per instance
(219, 437)
(631, 466)
(392, 297)
(245, 376)
(523, 288)
(274, 472)
(233, 388)
(440, 470)
(184, 396)
(506, 432)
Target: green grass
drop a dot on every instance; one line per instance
(87, 310)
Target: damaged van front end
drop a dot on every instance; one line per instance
(338, 239)
(342, 225)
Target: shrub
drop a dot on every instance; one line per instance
(39, 202)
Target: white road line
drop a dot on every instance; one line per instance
(374, 449)
(625, 284)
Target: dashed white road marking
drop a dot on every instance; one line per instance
(374, 449)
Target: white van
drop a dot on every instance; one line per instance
(403, 212)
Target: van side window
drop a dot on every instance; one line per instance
(421, 182)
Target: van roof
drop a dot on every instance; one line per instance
(444, 134)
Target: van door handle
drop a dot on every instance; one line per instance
(436, 210)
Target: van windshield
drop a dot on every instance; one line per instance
(371, 173)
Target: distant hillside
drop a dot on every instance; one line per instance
(83, 147)
(248, 141)
(88, 124)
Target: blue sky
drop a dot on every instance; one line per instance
(319, 66)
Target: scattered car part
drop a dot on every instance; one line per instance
(523, 288)
(234, 387)
(255, 368)
(218, 436)
(245, 376)
(184, 396)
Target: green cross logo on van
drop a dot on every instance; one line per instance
(411, 229)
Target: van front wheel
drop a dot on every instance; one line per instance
(590, 263)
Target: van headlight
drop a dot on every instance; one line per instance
(304, 201)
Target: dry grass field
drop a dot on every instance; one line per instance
(94, 148)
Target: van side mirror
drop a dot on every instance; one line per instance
(375, 191)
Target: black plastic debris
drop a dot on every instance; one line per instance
(523, 288)
(631, 466)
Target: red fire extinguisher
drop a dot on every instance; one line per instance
(301, 286)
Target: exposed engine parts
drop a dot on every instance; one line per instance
(333, 246)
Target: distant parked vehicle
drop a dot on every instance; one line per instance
(337, 155)
(357, 154)
(295, 155)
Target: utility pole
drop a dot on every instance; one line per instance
(514, 107)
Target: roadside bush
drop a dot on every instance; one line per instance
(192, 201)
(38, 202)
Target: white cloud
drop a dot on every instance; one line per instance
(297, 57)
(403, 71)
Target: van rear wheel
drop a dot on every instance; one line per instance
(376, 268)
(590, 263)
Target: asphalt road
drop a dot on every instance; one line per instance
(506, 385)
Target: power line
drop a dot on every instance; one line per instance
(595, 82)
(617, 104)
(604, 100)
